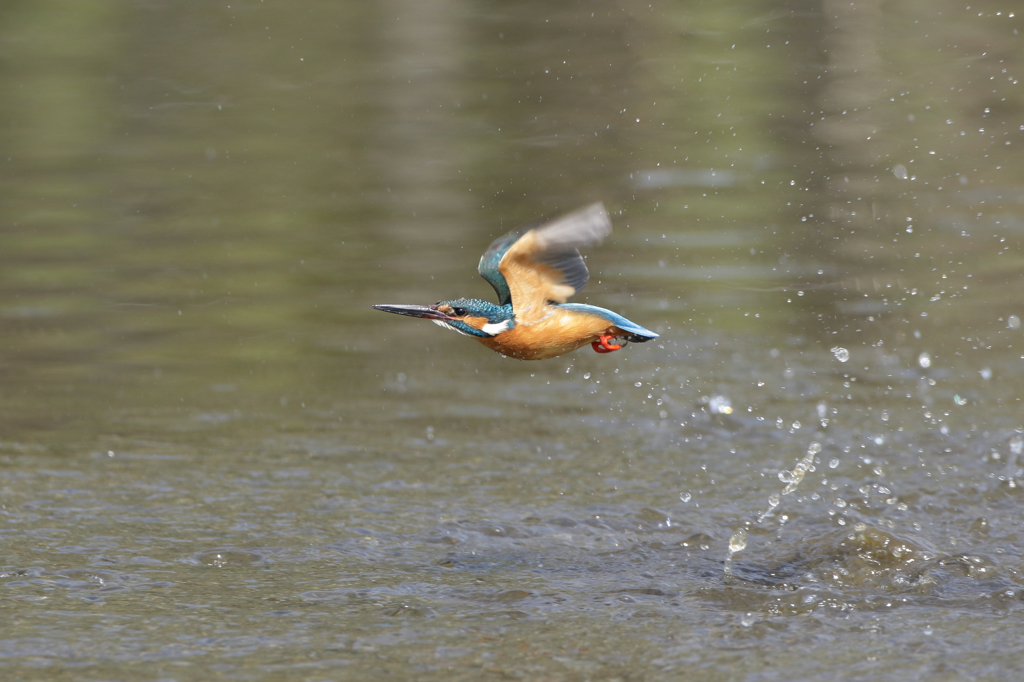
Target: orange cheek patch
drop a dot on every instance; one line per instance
(475, 322)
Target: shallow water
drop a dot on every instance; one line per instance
(218, 461)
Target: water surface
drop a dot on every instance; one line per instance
(219, 461)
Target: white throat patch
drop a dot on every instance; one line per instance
(495, 328)
(442, 323)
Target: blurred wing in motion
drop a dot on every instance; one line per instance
(544, 264)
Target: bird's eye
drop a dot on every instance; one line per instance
(459, 312)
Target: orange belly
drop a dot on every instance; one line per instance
(560, 332)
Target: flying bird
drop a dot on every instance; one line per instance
(534, 273)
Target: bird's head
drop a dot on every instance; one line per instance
(469, 316)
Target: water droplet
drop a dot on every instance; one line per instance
(959, 401)
(986, 373)
(639, 384)
(833, 463)
(738, 541)
(928, 630)
(925, 360)
(720, 404)
(685, 497)
(1017, 445)
(842, 355)
(586, 375)
(748, 619)
(1013, 322)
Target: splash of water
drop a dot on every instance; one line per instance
(737, 543)
(1012, 469)
(792, 479)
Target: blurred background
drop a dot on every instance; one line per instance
(215, 457)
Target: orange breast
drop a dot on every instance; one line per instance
(559, 332)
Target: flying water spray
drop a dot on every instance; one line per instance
(792, 479)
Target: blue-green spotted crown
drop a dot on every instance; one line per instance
(474, 307)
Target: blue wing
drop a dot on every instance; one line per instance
(488, 267)
(616, 319)
(546, 264)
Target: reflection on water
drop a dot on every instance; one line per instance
(218, 457)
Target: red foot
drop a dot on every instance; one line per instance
(604, 345)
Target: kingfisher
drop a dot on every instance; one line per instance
(534, 272)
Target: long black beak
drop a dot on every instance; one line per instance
(428, 312)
